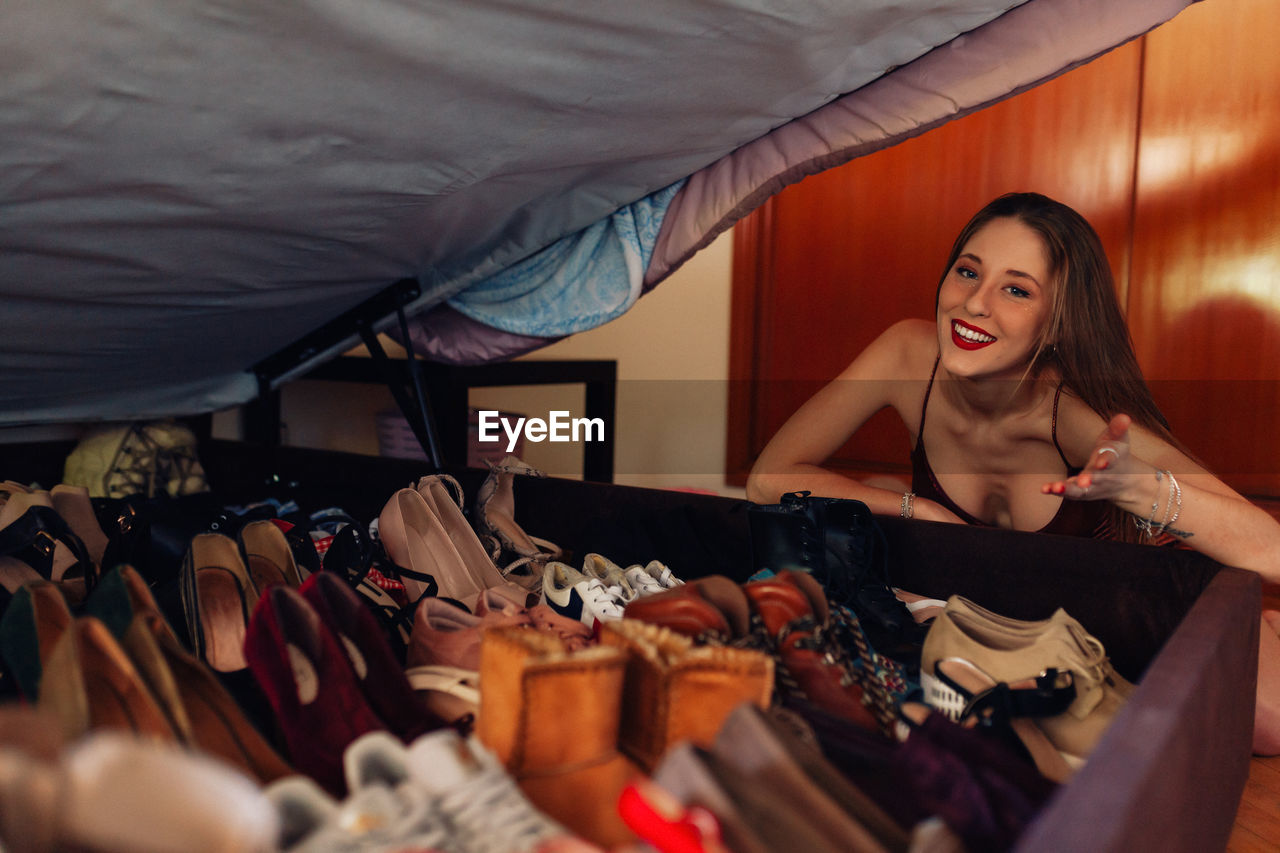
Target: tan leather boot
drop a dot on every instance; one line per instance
(551, 717)
(678, 691)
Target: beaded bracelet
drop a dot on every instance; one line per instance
(908, 504)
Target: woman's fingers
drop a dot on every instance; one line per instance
(1102, 473)
(1072, 487)
(1117, 428)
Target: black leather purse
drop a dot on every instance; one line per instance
(840, 543)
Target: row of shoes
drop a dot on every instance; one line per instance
(602, 589)
(426, 534)
(818, 652)
(442, 792)
(114, 663)
(573, 727)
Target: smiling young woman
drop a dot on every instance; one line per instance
(1027, 410)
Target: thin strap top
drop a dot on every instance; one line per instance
(1073, 518)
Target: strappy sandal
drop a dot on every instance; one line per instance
(495, 520)
(965, 693)
(350, 557)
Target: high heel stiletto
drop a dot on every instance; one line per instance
(423, 552)
(495, 516)
(518, 583)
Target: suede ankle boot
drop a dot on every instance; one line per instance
(551, 717)
(677, 691)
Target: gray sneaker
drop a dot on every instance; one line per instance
(385, 812)
(485, 809)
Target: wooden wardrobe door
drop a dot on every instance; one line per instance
(1205, 286)
(828, 264)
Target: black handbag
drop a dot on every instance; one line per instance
(840, 543)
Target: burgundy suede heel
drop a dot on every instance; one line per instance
(378, 673)
(304, 673)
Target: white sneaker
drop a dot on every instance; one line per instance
(486, 811)
(611, 574)
(574, 595)
(651, 579)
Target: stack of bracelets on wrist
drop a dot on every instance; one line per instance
(1172, 507)
(908, 504)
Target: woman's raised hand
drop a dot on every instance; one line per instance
(1110, 469)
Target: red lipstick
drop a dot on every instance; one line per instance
(966, 343)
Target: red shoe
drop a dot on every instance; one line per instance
(305, 675)
(659, 818)
(710, 610)
(379, 674)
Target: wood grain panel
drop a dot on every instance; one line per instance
(1205, 299)
(854, 249)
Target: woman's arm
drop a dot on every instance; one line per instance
(889, 372)
(1192, 505)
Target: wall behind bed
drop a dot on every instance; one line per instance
(672, 352)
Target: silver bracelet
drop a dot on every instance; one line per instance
(908, 504)
(1175, 503)
(1149, 524)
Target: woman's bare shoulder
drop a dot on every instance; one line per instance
(905, 350)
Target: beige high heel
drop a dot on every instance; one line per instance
(423, 552)
(267, 555)
(217, 597)
(436, 490)
(32, 532)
